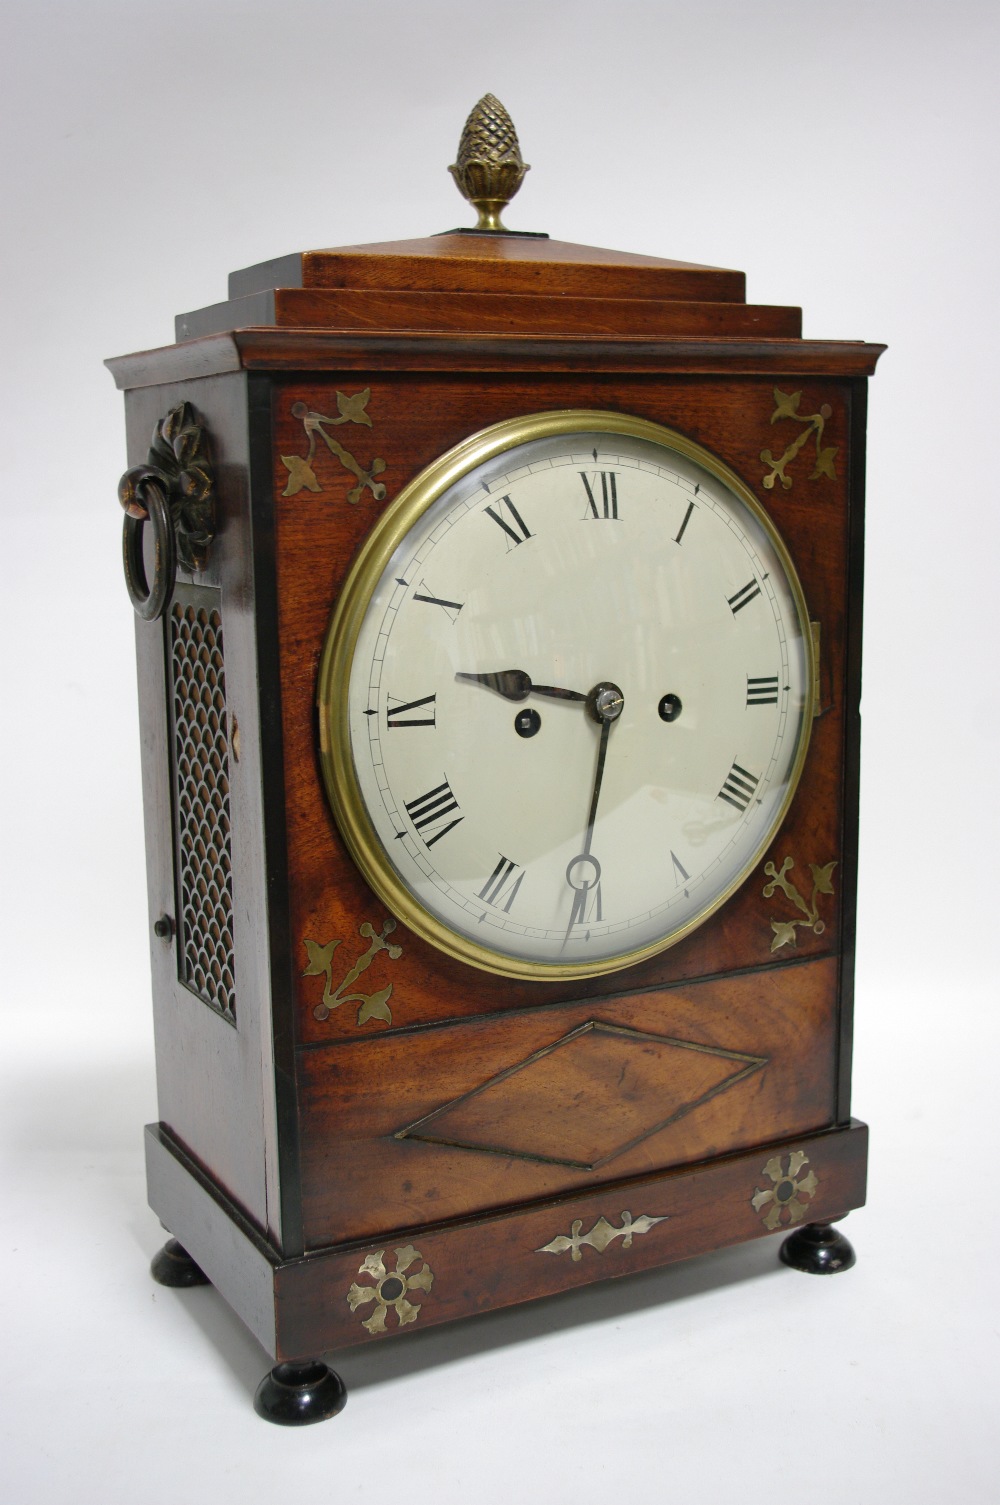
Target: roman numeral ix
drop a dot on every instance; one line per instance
(396, 712)
(501, 885)
(516, 531)
(609, 495)
(763, 690)
(428, 810)
(738, 789)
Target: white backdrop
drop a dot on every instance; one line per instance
(846, 158)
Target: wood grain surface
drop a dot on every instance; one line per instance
(635, 1104)
(413, 420)
(462, 262)
(301, 1308)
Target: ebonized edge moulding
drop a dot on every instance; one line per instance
(376, 1112)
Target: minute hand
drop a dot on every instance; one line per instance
(605, 702)
(602, 752)
(515, 684)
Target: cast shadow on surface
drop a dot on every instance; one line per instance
(606, 1302)
(102, 1107)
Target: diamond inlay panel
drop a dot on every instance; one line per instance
(587, 1098)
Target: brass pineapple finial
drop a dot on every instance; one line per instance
(489, 169)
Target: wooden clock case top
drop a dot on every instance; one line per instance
(701, 1098)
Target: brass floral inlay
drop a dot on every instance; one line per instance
(787, 406)
(600, 1236)
(389, 1289)
(372, 1005)
(301, 471)
(785, 930)
(786, 1200)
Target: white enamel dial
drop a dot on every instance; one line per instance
(564, 699)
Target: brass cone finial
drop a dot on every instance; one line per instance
(489, 169)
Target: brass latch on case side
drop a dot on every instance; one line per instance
(815, 629)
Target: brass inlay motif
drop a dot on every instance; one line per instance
(600, 1236)
(788, 407)
(784, 930)
(391, 1287)
(789, 1192)
(489, 168)
(302, 475)
(372, 1005)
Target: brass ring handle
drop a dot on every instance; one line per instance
(143, 494)
(175, 493)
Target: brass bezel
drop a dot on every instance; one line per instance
(336, 664)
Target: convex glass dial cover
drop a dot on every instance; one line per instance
(566, 694)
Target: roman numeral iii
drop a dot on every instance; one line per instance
(397, 712)
(763, 690)
(739, 787)
(516, 529)
(608, 507)
(428, 811)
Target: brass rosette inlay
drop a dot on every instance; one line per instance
(489, 168)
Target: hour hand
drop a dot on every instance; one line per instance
(515, 684)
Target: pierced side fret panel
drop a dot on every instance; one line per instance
(200, 755)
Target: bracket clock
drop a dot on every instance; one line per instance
(498, 627)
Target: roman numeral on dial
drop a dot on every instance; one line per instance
(588, 908)
(687, 518)
(397, 712)
(502, 885)
(451, 608)
(429, 810)
(743, 596)
(763, 690)
(516, 530)
(739, 788)
(608, 507)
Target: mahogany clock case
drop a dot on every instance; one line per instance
(336, 1095)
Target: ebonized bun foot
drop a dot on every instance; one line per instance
(818, 1249)
(293, 1395)
(173, 1266)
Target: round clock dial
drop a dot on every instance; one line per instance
(566, 694)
